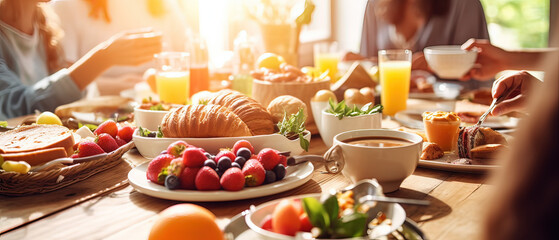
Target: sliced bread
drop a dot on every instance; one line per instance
(36, 137)
(36, 157)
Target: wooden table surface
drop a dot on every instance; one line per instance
(105, 206)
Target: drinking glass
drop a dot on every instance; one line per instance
(173, 77)
(199, 72)
(326, 57)
(395, 71)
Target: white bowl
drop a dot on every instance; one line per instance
(389, 165)
(450, 61)
(447, 90)
(395, 212)
(330, 125)
(149, 119)
(151, 147)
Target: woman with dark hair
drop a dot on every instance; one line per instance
(416, 24)
(33, 74)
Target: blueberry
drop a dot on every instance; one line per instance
(219, 172)
(224, 163)
(235, 164)
(241, 161)
(210, 163)
(208, 155)
(270, 177)
(163, 152)
(244, 152)
(172, 182)
(279, 170)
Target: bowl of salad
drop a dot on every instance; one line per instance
(149, 113)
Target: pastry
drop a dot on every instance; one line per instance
(203, 121)
(256, 117)
(472, 137)
(431, 151)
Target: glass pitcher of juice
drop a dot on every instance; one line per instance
(199, 72)
(395, 71)
(173, 77)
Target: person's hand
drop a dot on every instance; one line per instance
(149, 77)
(132, 47)
(519, 84)
(490, 59)
(418, 62)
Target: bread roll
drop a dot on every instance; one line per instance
(256, 117)
(285, 105)
(203, 121)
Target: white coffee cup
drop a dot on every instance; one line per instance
(389, 165)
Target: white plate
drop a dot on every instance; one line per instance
(445, 164)
(151, 147)
(413, 119)
(296, 176)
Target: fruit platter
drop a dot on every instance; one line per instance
(187, 172)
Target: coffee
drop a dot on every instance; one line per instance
(379, 142)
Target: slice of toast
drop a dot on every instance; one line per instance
(36, 157)
(37, 137)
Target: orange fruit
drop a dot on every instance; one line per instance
(270, 61)
(185, 221)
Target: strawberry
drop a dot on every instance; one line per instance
(75, 155)
(254, 173)
(193, 157)
(125, 133)
(306, 224)
(87, 148)
(233, 180)
(177, 148)
(156, 165)
(188, 176)
(241, 144)
(207, 180)
(119, 141)
(269, 158)
(283, 160)
(224, 153)
(266, 223)
(108, 127)
(106, 142)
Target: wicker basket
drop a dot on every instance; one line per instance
(17, 184)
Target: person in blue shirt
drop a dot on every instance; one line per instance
(33, 74)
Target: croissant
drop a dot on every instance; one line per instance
(257, 118)
(203, 121)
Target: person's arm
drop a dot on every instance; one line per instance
(17, 99)
(130, 48)
(369, 32)
(492, 59)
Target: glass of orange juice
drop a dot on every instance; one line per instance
(395, 71)
(326, 58)
(173, 77)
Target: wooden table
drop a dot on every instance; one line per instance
(105, 206)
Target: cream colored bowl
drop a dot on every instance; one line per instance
(450, 61)
(389, 165)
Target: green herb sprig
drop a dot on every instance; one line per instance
(341, 110)
(325, 216)
(294, 125)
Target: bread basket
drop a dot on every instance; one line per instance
(18, 184)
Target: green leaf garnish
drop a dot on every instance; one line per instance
(325, 216)
(3, 123)
(294, 125)
(341, 110)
